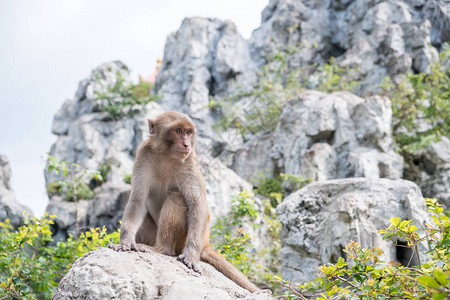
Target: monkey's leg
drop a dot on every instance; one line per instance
(172, 225)
(146, 235)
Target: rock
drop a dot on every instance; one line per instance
(430, 169)
(251, 161)
(9, 207)
(201, 60)
(221, 185)
(323, 217)
(438, 13)
(379, 38)
(327, 136)
(107, 274)
(91, 138)
(287, 22)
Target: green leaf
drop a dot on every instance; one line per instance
(439, 296)
(428, 281)
(341, 263)
(395, 221)
(440, 276)
(366, 288)
(412, 228)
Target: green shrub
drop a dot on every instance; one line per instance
(420, 106)
(74, 186)
(123, 98)
(230, 238)
(275, 188)
(127, 178)
(236, 245)
(293, 182)
(365, 276)
(103, 170)
(31, 267)
(332, 77)
(277, 83)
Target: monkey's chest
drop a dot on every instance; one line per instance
(158, 194)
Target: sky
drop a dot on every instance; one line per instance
(47, 47)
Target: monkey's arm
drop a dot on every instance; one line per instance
(197, 220)
(132, 220)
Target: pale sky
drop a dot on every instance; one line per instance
(47, 47)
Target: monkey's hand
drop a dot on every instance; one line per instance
(127, 247)
(191, 261)
(121, 247)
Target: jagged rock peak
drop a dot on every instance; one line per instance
(380, 38)
(9, 207)
(201, 60)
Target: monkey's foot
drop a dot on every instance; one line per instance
(143, 248)
(120, 247)
(189, 263)
(129, 248)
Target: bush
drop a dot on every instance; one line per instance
(75, 185)
(122, 98)
(236, 245)
(127, 178)
(277, 83)
(230, 238)
(420, 106)
(365, 276)
(103, 170)
(275, 188)
(31, 266)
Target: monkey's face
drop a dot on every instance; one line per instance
(181, 142)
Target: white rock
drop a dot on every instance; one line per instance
(10, 208)
(107, 274)
(430, 168)
(345, 123)
(322, 218)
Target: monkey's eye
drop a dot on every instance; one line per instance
(189, 132)
(178, 130)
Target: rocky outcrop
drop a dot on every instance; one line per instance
(202, 59)
(380, 38)
(322, 218)
(9, 207)
(327, 136)
(90, 138)
(205, 58)
(151, 275)
(430, 169)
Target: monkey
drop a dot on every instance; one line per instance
(167, 208)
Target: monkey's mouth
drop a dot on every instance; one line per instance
(185, 151)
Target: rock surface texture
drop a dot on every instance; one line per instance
(430, 169)
(107, 274)
(379, 37)
(327, 136)
(9, 207)
(322, 218)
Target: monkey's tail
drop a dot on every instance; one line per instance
(226, 268)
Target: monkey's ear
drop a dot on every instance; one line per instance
(151, 126)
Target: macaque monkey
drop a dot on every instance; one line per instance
(167, 209)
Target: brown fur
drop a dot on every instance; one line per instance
(167, 209)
